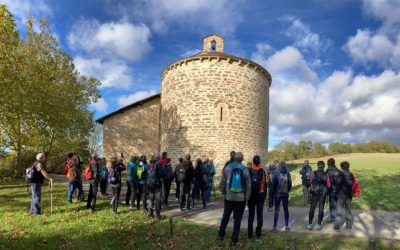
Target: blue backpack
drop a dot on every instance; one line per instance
(236, 184)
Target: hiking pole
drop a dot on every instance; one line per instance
(51, 197)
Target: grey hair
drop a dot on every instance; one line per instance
(39, 156)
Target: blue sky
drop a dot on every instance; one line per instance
(335, 64)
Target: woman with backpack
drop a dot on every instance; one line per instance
(103, 177)
(154, 186)
(320, 184)
(281, 185)
(114, 178)
(257, 197)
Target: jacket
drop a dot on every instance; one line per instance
(334, 176)
(226, 179)
(276, 177)
(345, 185)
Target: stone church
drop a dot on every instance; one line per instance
(210, 104)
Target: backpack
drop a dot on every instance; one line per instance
(68, 166)
(307, 174)
(256, 179)
(113, 176)
(140, 172)
(33, 176)
(236, 184)
(88, 172)
(205, 174)
(153, 180)
(356, 188)
(73, 175)
(318, 185)
(283, 186)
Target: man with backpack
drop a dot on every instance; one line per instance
(154, 188)
(334, 176)
(131, 182)
(185, 175)
(257, 197)
(114, 178)
(209, 169)
(92, 174)
(35, 175)
(74, 177)
(305, 173)
(167, 177)
(320, 184)
(141, 179)
(235, 185)
(200, 179)
(281, 185)
(103, 177)
(345, 195)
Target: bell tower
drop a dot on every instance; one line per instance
(213, 43)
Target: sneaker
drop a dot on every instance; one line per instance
(180, 210)
(337, 229)
(348, 230)
(331, 220)
(319, 227)
(309, 227)
(258, 238)
(287, 228)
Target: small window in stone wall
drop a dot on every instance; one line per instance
(213, 45)
(221, 110)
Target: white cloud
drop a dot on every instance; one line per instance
(101, 105)
(114, 39)
(111, 73)
(132, 98)
(387, 11)
(287, 63)
(221, 16)
(21, 9)
(303, 37)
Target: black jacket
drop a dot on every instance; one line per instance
(345, 186)
(335, 177)
(185, 172)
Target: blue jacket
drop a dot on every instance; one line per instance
(132, 168)
(276, 177)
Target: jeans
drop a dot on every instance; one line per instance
(332, 206)
(115, 200)
(103, 186)
(154, 201)
(208, 190)
(306, 194)
(166, 188)
(256, 202)
(36, 189)
(285, 203)
(71, 189)
(344, 213)
(184, 196)
(317, 199)
(237, 207)
(92, 196)
(132, 194)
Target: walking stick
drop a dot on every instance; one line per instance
(51, 197)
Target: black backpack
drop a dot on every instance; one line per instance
(153, 178)
(32, 175)
(205, 174)
(318, 185)
(256, 179)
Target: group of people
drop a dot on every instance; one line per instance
(150, 182)
(147, 182)
(251, 185)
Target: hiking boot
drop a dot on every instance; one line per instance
(309, 227)
(348, 230)
(319, 227)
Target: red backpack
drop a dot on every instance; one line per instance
(356, 188)
(68, 165)
(88, 173)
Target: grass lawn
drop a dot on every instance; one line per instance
(378, 175)
(73, 227)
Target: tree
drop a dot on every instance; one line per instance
(46, 98)
(304, 148)
(319, 150)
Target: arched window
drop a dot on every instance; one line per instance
(213, 46)
(221, 114)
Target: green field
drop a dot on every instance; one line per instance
(378, 175)
(72, 227)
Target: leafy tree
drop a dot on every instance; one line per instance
(45, 98)
(319, 150)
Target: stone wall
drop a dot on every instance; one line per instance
(213, 103)
(135, 131)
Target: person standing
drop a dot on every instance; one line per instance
(257, 197)
(232, 156)
(185, 178)
(131, 182)
(74, 177)
(334, 176)
(320, 184)
(200, 179)
(36, 183)
(141, 178)
(117, 166)
(345, 195)
(167, 177)
(103, 177)
(281, 185)
(154, 188)
(177, 182)
(210, 170)
(94, 179)
(305, 173)
(235, 185)
(270, 171)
